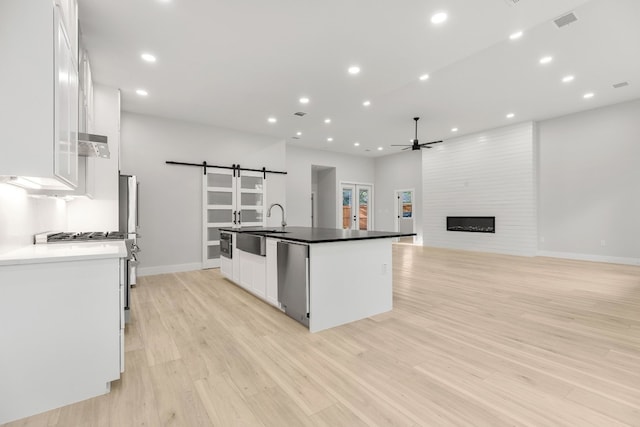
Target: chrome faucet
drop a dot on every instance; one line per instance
(284, 223)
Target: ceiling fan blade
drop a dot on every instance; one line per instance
(406, 148)
(400, 145)
(429, 143)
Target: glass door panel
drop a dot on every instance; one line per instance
(224, 198)
(363, 208)
(347, 207)
(223, 179)
(250, 195)
(218, 202)
(405, 213)
(250, 181)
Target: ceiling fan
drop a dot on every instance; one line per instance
(416, 145)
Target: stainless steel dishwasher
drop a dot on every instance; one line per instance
(293, 280)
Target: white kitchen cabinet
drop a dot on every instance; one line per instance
(85, 92)
(257, 274)
(235, 261)
(230, 198)
(230, 268)
(272, 271)
(226, 267)
(253, 273)
(61, 332)
(69, 18)
(39, 102)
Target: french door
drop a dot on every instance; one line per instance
(230, 199)
(357, 206)
(404, 210)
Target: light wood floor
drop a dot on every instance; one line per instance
(474, 339)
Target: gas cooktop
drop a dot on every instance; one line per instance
(87, 236)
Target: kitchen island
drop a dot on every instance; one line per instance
(346, 276)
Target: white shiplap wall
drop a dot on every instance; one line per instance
(491, 173)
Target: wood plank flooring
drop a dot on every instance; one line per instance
(473, 340)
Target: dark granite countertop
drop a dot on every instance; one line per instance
(317, 235)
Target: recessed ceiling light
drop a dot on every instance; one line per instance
(379, 148)
(454, 129)
(299, 133)
(588, 95)
(516, 35)
(327, 121)
(510, 116)
(357, 144)
(366, 103)
(424, 77)
(272, 120)
(304, 100)
(354, 69)
(567, 79)
(329, 139)
(142, 92)
(148, 57)
(439, 18)
(546, 59)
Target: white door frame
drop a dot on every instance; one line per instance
(314, 209)
(356, 186)
(397, 204)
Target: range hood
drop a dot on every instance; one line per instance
(90, 145)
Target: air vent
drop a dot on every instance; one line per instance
(564, 20)
(295, 137)
(300, 114)
(512, 2)
(621, 84)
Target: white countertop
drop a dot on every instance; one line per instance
(63, 252)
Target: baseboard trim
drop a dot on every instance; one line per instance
(164, 269)
(591, 257)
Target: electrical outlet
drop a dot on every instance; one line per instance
(384, 269)
(603, 243)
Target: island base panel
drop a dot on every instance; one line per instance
(349, 281)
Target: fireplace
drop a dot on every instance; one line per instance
(473, 224)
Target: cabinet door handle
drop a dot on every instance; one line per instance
(234, 217)
(239, 217)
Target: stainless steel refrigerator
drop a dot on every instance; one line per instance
(128, 219)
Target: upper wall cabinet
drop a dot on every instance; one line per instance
(69, 17)
(39, 87)
(85, 93)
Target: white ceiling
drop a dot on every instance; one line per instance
(234, 63)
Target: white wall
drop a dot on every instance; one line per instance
(589, 185)
(492, 173)
(22, 216)
(171, 196)
(299, 161)
(101, 212)
(400, 171)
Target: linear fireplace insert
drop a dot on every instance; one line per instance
(474, 224)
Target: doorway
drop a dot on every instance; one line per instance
(405, 213)
(356, 211)
(323, 196)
